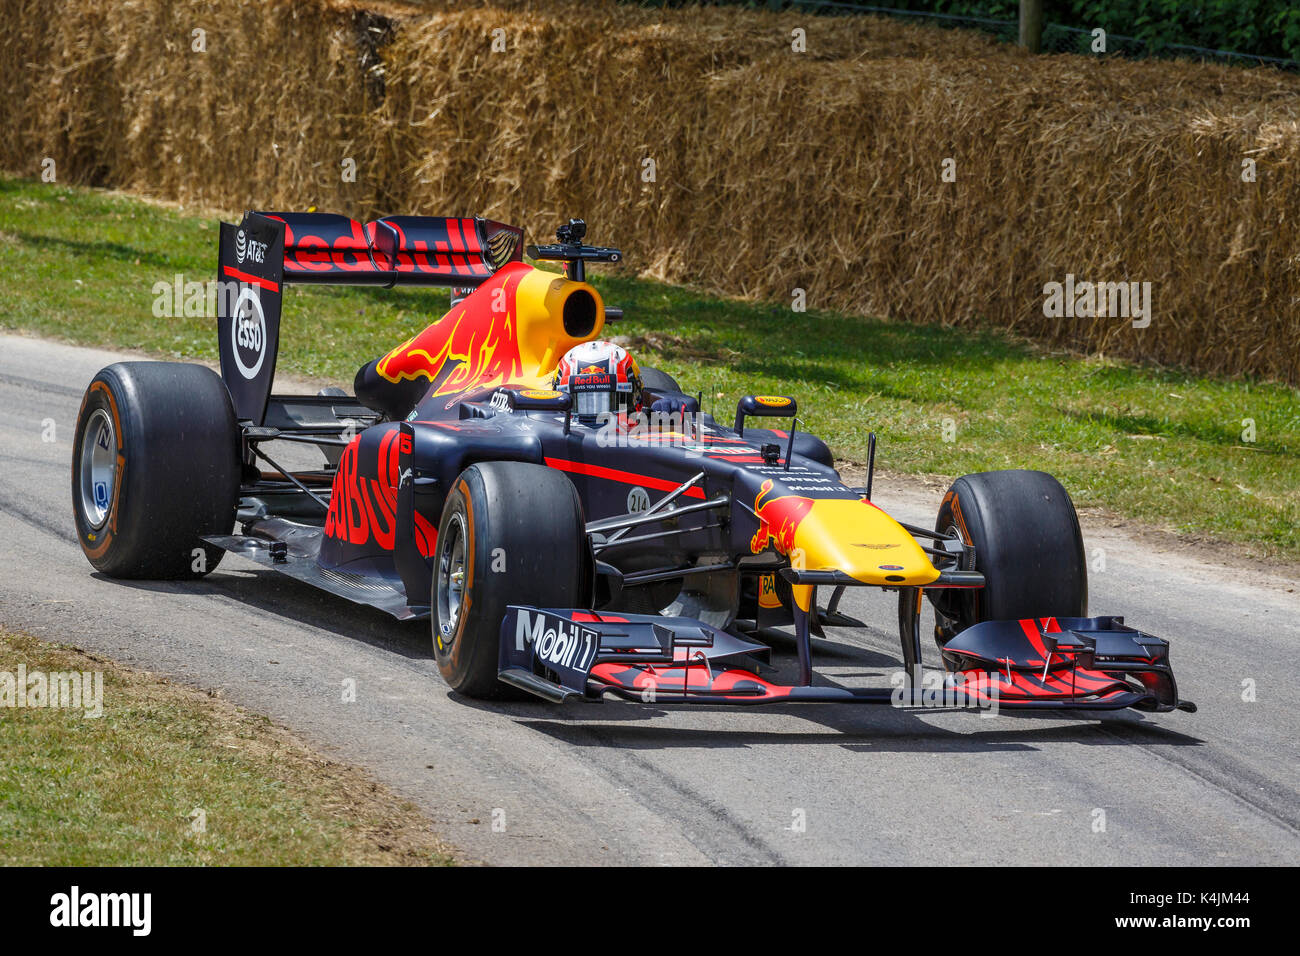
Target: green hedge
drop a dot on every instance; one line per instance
(1253, 27)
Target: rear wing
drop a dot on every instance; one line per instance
(396, 250)
(267, 251)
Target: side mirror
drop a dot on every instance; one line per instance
(763, 406)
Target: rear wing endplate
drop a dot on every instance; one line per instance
(269, 250)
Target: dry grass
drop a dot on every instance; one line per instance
(775, 170)
(119, 790)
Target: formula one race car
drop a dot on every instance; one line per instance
(573, 525)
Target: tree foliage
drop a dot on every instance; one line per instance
(1254, 27)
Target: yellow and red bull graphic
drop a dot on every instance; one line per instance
(480, 343)
(778, 518)
(511, 330)
(839, 534)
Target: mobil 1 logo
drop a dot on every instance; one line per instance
(557, 643)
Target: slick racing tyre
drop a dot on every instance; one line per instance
(1027, 545)
(155, 464)
(657, 381)
(511, 533)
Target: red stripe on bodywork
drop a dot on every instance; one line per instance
(1035, 639)
(677, 679)
(626, 477)
(590, 618)
(457, 245)
(239, 276)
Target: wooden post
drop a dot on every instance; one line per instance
(1031, 25)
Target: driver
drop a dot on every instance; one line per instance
(602, 379)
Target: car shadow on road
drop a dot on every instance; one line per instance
(864, 728)
(642, 726)
(858, 728)
(283, 597)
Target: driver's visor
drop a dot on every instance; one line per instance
(593, 392)
(591, 403)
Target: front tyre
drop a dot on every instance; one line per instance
(155, 465)
(1027, 544)
(511, 533)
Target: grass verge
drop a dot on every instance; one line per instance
(1189, 454)
(132, 786)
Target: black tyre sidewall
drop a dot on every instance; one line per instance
(525, 544)
(1028, 546)
(177, 475)
(658, 381)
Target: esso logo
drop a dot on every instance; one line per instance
(248, 334)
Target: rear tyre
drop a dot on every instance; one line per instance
(657, 381)
(155, 464)
(1027, 544)
(511, 533)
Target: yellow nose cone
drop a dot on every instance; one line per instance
(862, 541)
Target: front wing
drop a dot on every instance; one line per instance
(1046, 665)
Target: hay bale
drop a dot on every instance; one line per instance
(774, 169)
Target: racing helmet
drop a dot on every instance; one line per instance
(600, 377)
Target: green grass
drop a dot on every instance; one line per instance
(122, 788)
(1157, 445)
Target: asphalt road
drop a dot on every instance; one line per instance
(620, 783)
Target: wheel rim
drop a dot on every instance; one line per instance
(451, 577)
(948, 606)
(98, 468)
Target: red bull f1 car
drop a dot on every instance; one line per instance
(579, 535)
